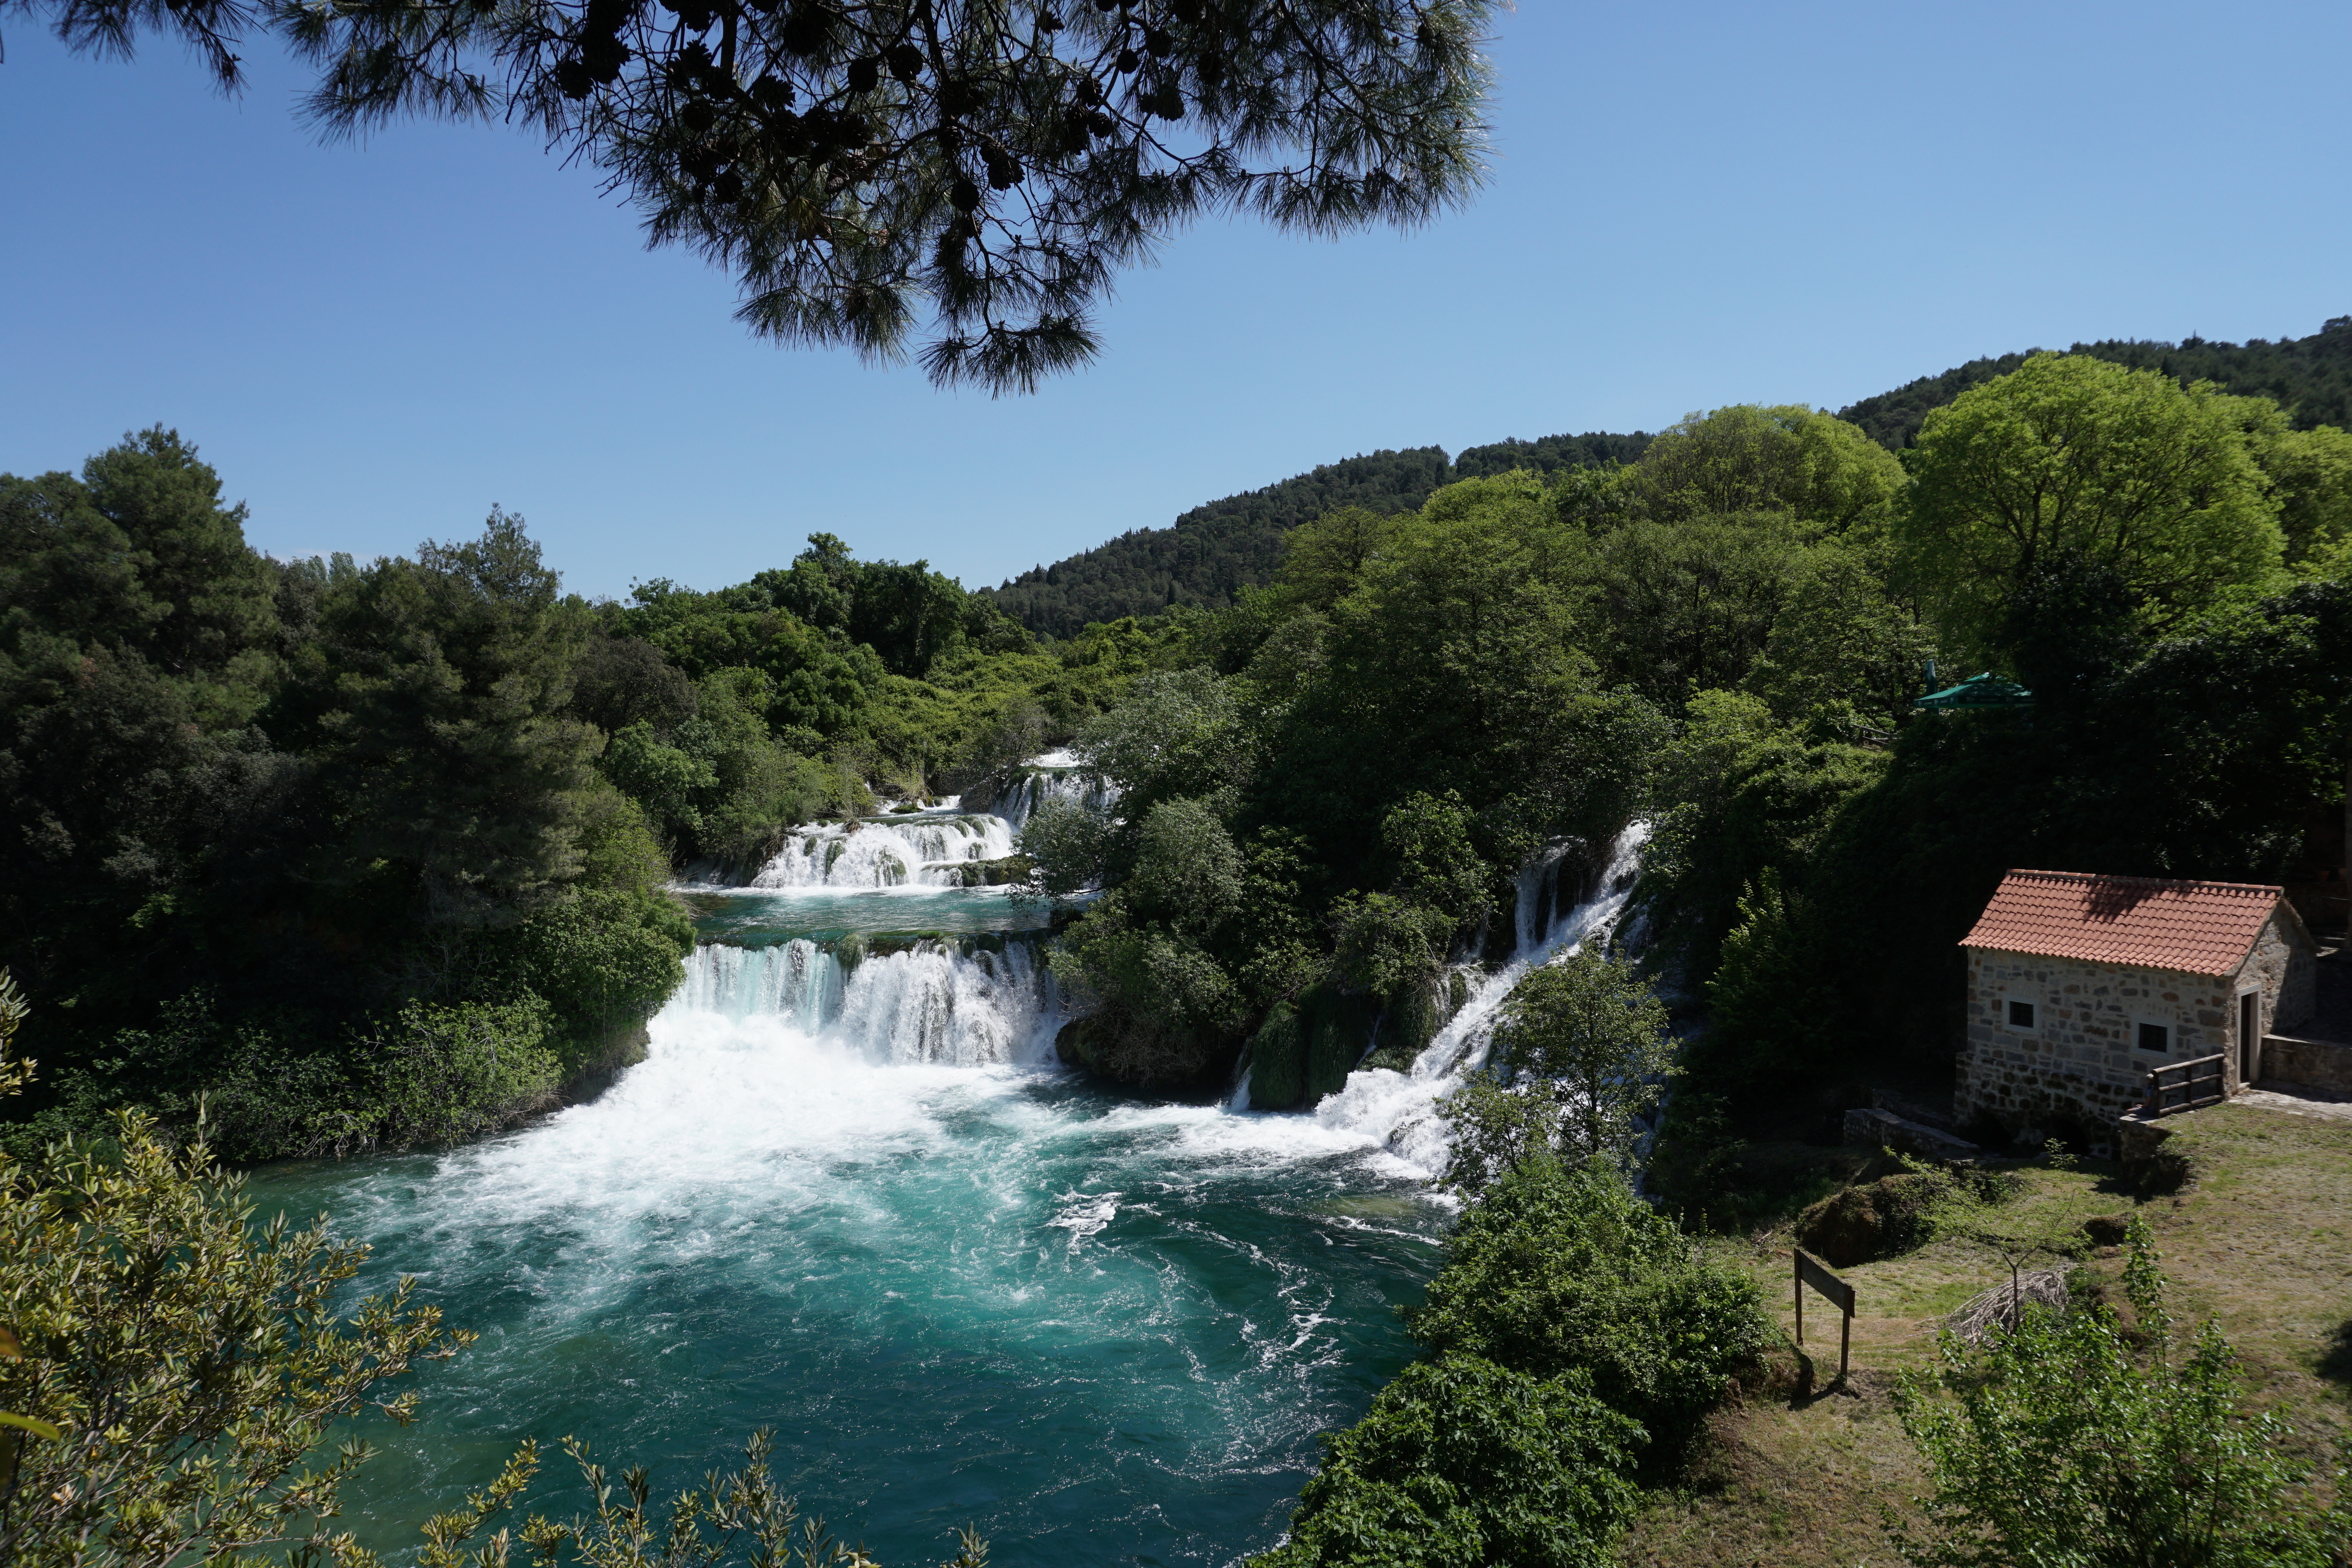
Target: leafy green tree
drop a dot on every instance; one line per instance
(1430, 840)
(623, 681)
(1691, 605)
(2311, 471)
(1844, 656)
(2062, 1442)
(1736, 793)
(1769, 1002)
(140, 556)
(1747, 459)
(1323, 560)
(1462, 1461)
(1385, 945)
(441, 689)
(1586, 1037)
(2124, 468)
(1148, 958)
(193, 1361)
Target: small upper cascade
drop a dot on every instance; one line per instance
(931, 1001)
(923, 850)
(1055, 776)
(1397, 1109)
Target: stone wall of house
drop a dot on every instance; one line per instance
(2080, 1060)
(2286, 966)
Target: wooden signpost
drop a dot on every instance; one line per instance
(1811, 1272)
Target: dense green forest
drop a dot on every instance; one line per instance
(1212, 552)
(1726, 637)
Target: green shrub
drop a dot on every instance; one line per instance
(1561, 1271)
(437, 1073)
(602, 960)
(1461, 1462)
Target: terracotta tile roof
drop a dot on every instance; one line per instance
(2144, 921)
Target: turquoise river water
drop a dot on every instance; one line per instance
(849, 1196)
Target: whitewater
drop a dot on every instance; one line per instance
(848, 1195)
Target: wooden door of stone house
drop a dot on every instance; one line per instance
(2250, 1037)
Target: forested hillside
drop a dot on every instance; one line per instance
(1212, 552)
(1207, 555)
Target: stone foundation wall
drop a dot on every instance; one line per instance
(2316, 1063)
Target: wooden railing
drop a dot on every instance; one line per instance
(2202, 1082)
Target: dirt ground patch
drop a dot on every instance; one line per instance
(2260, 1238)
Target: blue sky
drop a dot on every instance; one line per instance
(1690, 206)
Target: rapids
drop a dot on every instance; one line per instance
(847, 1194)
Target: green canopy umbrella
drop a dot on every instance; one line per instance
(1984, 691)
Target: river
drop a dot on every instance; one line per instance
(849, 1196)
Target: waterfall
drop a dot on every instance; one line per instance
(1056, 775)
(1396, 1109)
(930, 1001)
(910, 851)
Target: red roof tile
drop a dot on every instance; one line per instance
(2144, 921)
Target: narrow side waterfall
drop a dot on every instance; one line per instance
(1396, 1110)
(1063, 779)
(915, 852)
(930, 1001)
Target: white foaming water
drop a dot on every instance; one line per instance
(920, 851)
(1395, 1110)
(930, 1003)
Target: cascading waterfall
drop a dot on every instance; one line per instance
(930, 1001)
(1396, 1110)
(913, 852)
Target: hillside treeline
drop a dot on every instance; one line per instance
(1210, 553)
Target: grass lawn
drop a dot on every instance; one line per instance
(2259, 1237)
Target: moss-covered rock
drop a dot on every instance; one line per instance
(1340, 1031)
(1277, 1061)
(1879, 1219)
(992, 873)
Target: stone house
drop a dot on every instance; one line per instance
(2078, 985)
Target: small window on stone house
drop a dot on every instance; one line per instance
(2021, 1014)
(2155, 1037)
